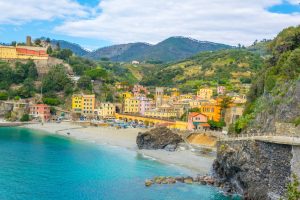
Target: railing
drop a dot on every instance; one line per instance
(269, 136)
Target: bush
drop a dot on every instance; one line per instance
(51, 101)
(293, 192)
(3, 96)
(25, 118)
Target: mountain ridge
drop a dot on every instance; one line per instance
(171, 49)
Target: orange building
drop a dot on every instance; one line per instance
(41, 111)
(212, 111)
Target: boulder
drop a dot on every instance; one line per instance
(148, 183)
(158, 138)
(188, 180)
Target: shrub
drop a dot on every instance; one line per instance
(293, 192)
(3, 96)
(25, 118)
(51, 101)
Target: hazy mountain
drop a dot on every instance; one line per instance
(77, 49)
(171, 49)
(121, 52)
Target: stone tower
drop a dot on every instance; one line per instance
(159, 94)
(28, 41)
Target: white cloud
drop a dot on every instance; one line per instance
(231, 21)
(295, 2)
(22, 11)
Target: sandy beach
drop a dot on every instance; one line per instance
(126, 138)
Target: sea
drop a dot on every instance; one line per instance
(35, 165)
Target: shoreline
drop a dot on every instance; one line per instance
(126, 138)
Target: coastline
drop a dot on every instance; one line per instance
(126, 138)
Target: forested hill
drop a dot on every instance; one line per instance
(171, 49)
(75, 48)
(224, 67)
(275, 94)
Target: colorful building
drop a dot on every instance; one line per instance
(220, 90)
(106, 110)
(23, 52)
(204, 94)
(126, 95)
(41, 111)
(212, 111)
(83, 104)
(233, 113)
(197, 121)
(163, 111)
(138, 105)
(159, 95)
(139, 90)
(175, 92)
(131, 105)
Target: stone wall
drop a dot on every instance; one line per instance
(259, 170)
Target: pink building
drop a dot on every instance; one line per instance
(221, 90)
(41, 111)
(139, 90)
(197, 121)
(145, 105)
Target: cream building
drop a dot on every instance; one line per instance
(105, 110)
(204, 94)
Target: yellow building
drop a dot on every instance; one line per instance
(205, 93)
(132, 105)
(8, 52)
(23, 52)
(212, 111)
(161, 114)
(175, 92)
(126, 95)
(84, 104)
(186, 97)
(106, 110)
(164, 111)
(77, 103)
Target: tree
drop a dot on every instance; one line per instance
(58, 46)
(51, 101)
(214, 125)
(49, 50)
(109, 97)
(96, 73)
(25, 118)
(56, 79)
(38, 42)
(224, 104)
(85, 83)
(3, 96)
(28, 89)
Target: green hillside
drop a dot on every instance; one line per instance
(275, 93)
(223, 67)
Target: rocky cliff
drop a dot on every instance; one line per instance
(256, 169)
(158, 138)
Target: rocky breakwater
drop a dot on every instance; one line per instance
(158, 138)
(256, 169)
(202, 180)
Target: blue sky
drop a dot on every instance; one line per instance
(94, 24)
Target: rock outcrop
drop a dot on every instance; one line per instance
(256, 169)
(158, 138)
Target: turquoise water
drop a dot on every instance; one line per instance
(37, 166)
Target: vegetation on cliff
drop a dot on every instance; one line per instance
(225, 67)
(274, 95)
